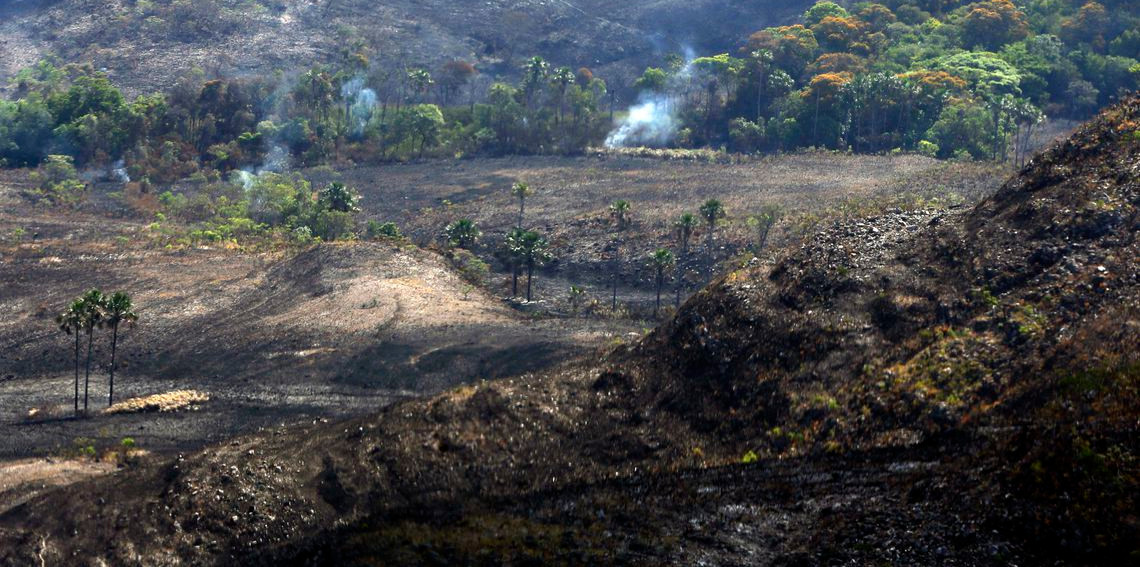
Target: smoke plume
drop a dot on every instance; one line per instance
(653, 121)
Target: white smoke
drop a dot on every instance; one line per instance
(244, 178)
(653, 121)
(119, 172)
(360, 102)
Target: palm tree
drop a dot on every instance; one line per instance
(70, 321)
(562, 78)
(533, 251)
(660, 261)
(686, 224)
(462, 233)
(534, 75)
(94, 303)
(521, 191)
(712, 211)
(118, 311)
(620, 211)
(763, 224)
(511, 255)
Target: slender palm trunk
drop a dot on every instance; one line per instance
(77, 371)
(522, 210)
(111, 382)
(514, 280)
(529, 277)
(613, 305)
(87, 369)
(660, 280)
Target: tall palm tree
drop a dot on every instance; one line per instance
(512, 255)
(686, 224)
(462, 233)
(660, 261)
(712, 211)
(562, 78)
(534, 253)
(534, 76)
(70, 321)
(94, 303)
(521, 191)
(118, 311)
(620, 211)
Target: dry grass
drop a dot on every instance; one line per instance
(170, 401)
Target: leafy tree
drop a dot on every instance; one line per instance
(462, 233)
(653, 80)
(57, 182)
(821, 10)
(118, 310)
(521, 191)
(454, 75)
(383, 230)
(993, 23)
(70, 321)
(620, 211)
(423, 122)
(660, 261)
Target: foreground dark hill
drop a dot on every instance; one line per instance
(925, 388)
(146, 46)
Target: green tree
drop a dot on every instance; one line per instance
(93, 309)
(422, 121)
(521, 191)
(821, 10)
(70, 321)
(763, 223)
(660, 261)
(535, 73)
(712, 211)
(620, 211)
(534, 252)
(511, 254)
(337, 197)
(686, 224)
(57, 182)
(562, 78)
(118, 311)
(462, 233)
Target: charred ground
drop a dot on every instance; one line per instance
(951, 387)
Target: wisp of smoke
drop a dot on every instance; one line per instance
(360, 102)
(653, 120)
(650, 123)
(119, 172)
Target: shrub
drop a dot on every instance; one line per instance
(57, 183)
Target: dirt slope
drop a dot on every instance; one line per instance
(329, 331)
(259, 37)
(951, 388)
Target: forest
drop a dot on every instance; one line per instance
(940, 78)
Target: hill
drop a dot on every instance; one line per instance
(930, 387)
(145, 47)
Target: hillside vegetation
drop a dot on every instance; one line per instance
(939, 387)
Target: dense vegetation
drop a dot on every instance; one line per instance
(944, 78)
